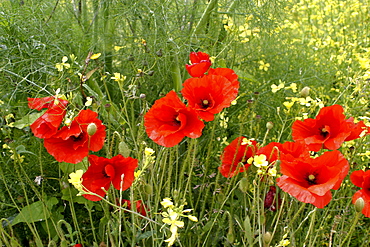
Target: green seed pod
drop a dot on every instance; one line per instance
(91, 129)
(359, 204)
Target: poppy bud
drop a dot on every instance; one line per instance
(305, 92)
(91, 129)
(159, 53)
(131, 58)
(359, 204)
(148, 189)
(269, 125)
(230, 237)
(124, 149)
(243, 185)
(266, 237)
(250, 103)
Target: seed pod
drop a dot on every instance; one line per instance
(91, 129)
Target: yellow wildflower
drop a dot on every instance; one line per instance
(63, 64)
(149, 151)
(76, 179)
(167, 202)
(260, 161)
(95, 56)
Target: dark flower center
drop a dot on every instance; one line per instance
(311, 179)
(77, 138)
(176, 121)
(324, 132)
(205, 104)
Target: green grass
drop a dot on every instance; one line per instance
(322, 45)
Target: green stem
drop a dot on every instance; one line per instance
(357, 217)
(296, 215)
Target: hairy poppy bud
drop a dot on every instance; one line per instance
(269, 125)
(266, 237)
(91, 129)
(305, 92)
(359, 204)
(243, 185)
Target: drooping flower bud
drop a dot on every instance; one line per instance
(359, 204)
(269, 125)
(91, 129)
(305, 92)
(266, 237)
(243, 185)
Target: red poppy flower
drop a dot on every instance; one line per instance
(140, 207)
(271, 151)
(77, 245)
(200, 63)
(102, 172)
(235, 156)
(48, 124)
(228, 73)
(169, 121)
(72, 143)
(209, 95)
(310, 180)
(361, 179)
(328, 130)
(357, 130)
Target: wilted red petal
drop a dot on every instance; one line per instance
(272, 202)
(169, 121)
(140, 207)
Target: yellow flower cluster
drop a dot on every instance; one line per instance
(76, 179)
(172, 217)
